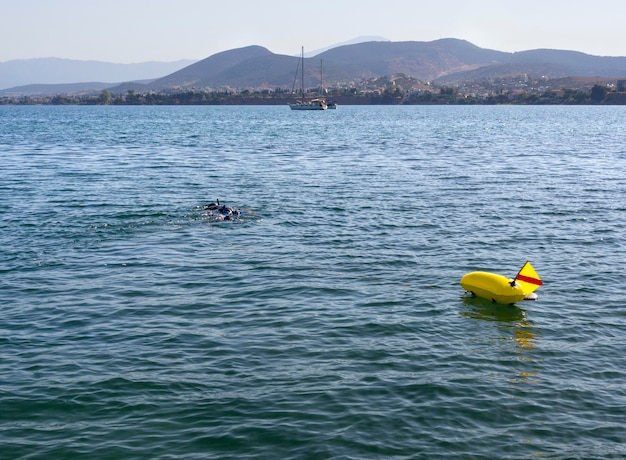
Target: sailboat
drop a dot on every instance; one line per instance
(303, 104)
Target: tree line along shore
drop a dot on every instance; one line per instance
(597, 95)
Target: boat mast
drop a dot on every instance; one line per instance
(302, 83)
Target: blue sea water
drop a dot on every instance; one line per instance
(328, 321)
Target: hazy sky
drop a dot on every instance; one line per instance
(167, 30)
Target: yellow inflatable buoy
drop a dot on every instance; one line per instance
(498, 288)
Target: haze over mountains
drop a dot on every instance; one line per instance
(445, 61)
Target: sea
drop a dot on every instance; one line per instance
(326, 320)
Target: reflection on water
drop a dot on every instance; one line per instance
(524, 337)
(479, 308)
(513, 322)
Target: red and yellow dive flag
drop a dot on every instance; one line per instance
(528, 278)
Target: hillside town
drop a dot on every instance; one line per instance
(397, 89)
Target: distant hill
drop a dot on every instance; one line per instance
(354, 41)
(422, 60)
(23, 72)
(236, 68)
(543, 63)
(52, 90)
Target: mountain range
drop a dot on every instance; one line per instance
(444, 61)
(55, 71)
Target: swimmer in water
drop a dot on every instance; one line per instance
(221, 211)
